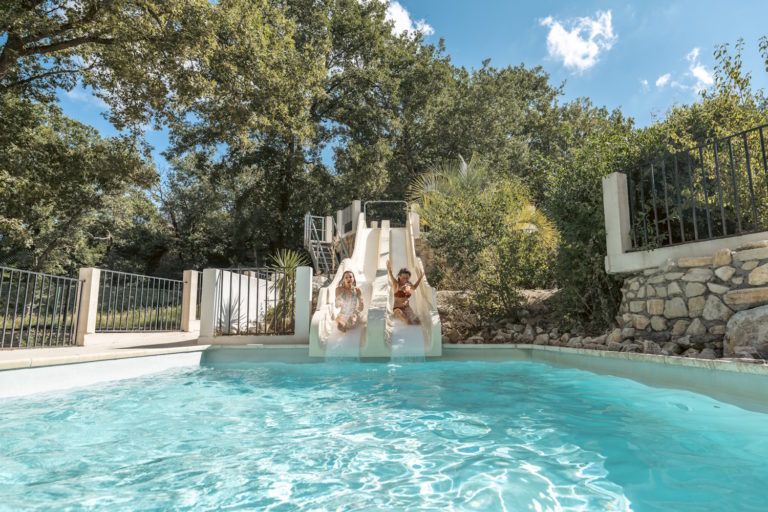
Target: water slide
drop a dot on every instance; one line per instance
(378, 335)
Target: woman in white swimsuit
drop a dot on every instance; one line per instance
(349, 299)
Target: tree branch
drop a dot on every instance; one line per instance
(63, 45)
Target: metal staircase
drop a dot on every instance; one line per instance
(324, 244)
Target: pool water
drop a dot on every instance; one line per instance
(355, 436)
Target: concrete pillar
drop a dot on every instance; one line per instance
(189, 299)
(616, 210)
(328, 235)
(208, 304)
(302, 307)
(357, 207)
(87, 310)
(415, 221)
(340, 222)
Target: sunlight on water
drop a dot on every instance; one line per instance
(352, 436)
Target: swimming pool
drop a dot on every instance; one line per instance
(355, 436)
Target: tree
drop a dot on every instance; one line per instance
(56, 175)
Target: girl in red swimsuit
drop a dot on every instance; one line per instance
(403, 287)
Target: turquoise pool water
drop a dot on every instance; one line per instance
(353, 436)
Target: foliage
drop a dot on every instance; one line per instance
(285, 263)
(488, 235)
(57, 177)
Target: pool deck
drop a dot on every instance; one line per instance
(108, 347)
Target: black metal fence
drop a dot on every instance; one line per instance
(199, 299)
(718, 189)
(37, 310)
(137, 303)
(255, 301)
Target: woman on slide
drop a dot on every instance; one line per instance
(349, 299)
(403, 287)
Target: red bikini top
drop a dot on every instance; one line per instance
(402, 293)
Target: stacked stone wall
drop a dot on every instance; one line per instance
(686, 304)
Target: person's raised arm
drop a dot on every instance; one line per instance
(418, 281)
(391, 275)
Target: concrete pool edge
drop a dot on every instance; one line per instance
(734, 382)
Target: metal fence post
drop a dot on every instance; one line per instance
(303, 304)
(87, 309)
(189, 300)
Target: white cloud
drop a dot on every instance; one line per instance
(644, 83)
(699, 71)
(85, 96)
(663, 79)
(402, 21)
(580, 47)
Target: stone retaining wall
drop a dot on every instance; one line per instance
(690, 301)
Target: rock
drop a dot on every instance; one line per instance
(737, 280)
(698, 275)
(691, 352)
(722, 257)
(657, 279)
(748, 297)
(694, 289)
(632, 347)
(640, 322)
(684, 341)
(522, 313)
(698, 261)
(671, 349)
(650, 291)
(762, 350)
(655, 306)
(541, 339)
(748, 265)
(758, 276)
(658, 323)
(576, 339)
(679, 328)
(640, 293)
(615, 336)
(627, 332)
(539, 330)
(696, 328)
(637, 306)
(751, 254)
(650, 347)
(717, 329)
(476, 339)
(673, 276)
(752, 245)
(658, 337)
(600, 340)
(696, 306)
(745, 351)
(746, 328)
(707, 353)
(614, 347)
(565, 337)
(673, 289)
(574, 344)
(661, 291)
(634, 286)
(714, 309)
(717, 288)
(649, 271)
(675, 308)
(725, 273)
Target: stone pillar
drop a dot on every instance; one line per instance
(302, 304)
(208, 304)
(189, 299)
(87, 309)
(616, 210)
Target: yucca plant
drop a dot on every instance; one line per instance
(284, 264)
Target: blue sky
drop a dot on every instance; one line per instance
(640, 56)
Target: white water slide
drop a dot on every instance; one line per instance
(378, 335)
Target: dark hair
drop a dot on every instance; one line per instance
(354, 279)
(404, 271)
